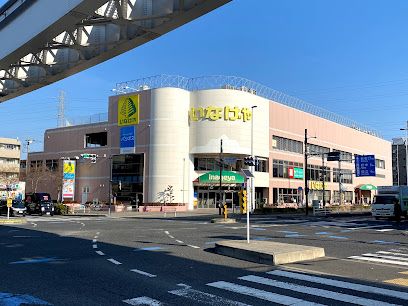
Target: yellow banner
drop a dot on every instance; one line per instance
(128, 110)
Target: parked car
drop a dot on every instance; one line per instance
(18, 208)
(39, 203)
(3, 207)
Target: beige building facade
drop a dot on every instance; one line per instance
(10, 152)
(161, 135)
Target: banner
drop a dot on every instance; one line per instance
(127, 139)
(68, 182)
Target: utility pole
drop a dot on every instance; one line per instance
(406, 152)
(305, 173)
(221, 166)
(323, 180)
(61, 109)
(28, 142)
(340, 175)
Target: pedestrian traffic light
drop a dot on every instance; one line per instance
(243, 201)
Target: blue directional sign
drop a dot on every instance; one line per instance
(127, 139)
(365, 165)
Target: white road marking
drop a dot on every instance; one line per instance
(385, 230)
(94, 240)
(193, 246)
(179, 241)
(380, 260)
(143, 300)
(166, 232)
(392, 253)
(143, 273)
(204, 297)
(261, 294)
(114, 261)
(100, 253)
(82, 224)
(314, 291)
(95, 246)
(340, 284)
(172, 237)
(97, 233)
(385, 256)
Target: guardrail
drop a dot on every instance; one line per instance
(330, 210)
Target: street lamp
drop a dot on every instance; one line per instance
(406, 151)
(253, 158)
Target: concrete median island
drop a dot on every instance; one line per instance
(268, 252)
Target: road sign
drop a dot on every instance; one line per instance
(333, 156)
(9, 202)
(365, 165)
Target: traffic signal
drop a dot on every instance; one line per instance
(251, 161)
(93, 158)
(243, 201)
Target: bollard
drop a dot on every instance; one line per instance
(225, 211)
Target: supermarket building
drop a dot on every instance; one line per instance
(166, 131)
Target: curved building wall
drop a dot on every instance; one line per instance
(205, 134)
(169, 143)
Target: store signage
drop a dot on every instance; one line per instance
(214, 113)
(295, 172)
(127, 139)
(317, 185)
(128, 110)
(365, 165)
(68, 182)
(298, 173)
(228, 177)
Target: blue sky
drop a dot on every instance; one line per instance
(348, 56)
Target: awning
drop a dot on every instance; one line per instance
(366, 187)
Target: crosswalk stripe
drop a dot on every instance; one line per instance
(385, 230)
(341, 284)
(143, 300)
(392, 253)
(314, 291)
(261, 294)
(384, 256)
(380, 260)
(204, 297)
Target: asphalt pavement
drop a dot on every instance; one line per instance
(146, 259)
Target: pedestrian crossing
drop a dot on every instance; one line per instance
(282, 287)
(398, 257)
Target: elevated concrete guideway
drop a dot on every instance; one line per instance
(43, 41)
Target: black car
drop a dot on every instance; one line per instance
(3, 207)
(39, 203)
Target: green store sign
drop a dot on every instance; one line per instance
(298, 173)
(228, 177)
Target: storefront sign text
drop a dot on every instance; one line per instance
(214, 113)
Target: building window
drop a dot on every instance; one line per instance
(6, 146)
(280, 167)
(230, 163)
(36, 164)
(286, 195)
(315, 173)
(347, 196)
(262, 165)
(51, 164)
(317, 150)
(85, 189)
(96, 140)
(345, 156)
(379, 163)
(346, 176)
(288, 145)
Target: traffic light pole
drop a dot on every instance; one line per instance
(306, 180)
(221, 166)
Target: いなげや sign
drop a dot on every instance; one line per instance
(214, 113)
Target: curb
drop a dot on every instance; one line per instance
(13, 221)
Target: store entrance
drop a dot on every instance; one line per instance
(208, 198)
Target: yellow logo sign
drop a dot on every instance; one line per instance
(128, 110)
(317, 185)
(214, 113)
